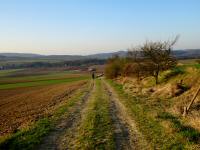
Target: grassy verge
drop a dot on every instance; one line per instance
(28, 138)
(96, 130)
(149, 117)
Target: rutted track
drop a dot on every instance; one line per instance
(121, 130)
(52, 141)
(66, 140)
(127, 137)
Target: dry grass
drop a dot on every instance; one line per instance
(191, 79)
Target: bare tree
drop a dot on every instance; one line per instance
(159, 56)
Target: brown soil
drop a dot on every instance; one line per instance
(21, 106)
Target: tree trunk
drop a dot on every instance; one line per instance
(157, 73)
(156, 77)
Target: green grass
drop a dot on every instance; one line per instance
(35, 76)
(6, 62)
(96, 130)
(194, 65)
(29, 138)
(4, 73)
(42, 82)
(144, 112)
(166, 75)
(177, 70)
(197, 66)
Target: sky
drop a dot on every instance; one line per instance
(94, 26)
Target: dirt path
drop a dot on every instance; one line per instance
(127, 137)
(69, 135)
(53, 140)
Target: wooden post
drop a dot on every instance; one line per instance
(186, 109)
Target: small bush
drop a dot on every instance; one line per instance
(112, 70)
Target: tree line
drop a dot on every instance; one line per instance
(74, 63)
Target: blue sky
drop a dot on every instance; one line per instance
(93, 26)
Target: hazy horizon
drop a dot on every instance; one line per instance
(85, 27)
(105, 51)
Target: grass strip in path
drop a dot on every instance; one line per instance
(95, 131)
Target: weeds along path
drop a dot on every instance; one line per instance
(126, 134)
(67, 122)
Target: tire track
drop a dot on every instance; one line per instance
(121, 130)
(68, 137)
(53, 140)
(127, 136)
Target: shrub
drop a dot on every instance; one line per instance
(114, 67)
(112, 70)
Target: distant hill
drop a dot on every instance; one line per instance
(181, 54)
(29, 55)
(107, 55)
(63, 57)
(188, 53)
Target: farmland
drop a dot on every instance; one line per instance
(24, 99)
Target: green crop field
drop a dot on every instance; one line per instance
(7, 81)
(4, 73)
(43, 82)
